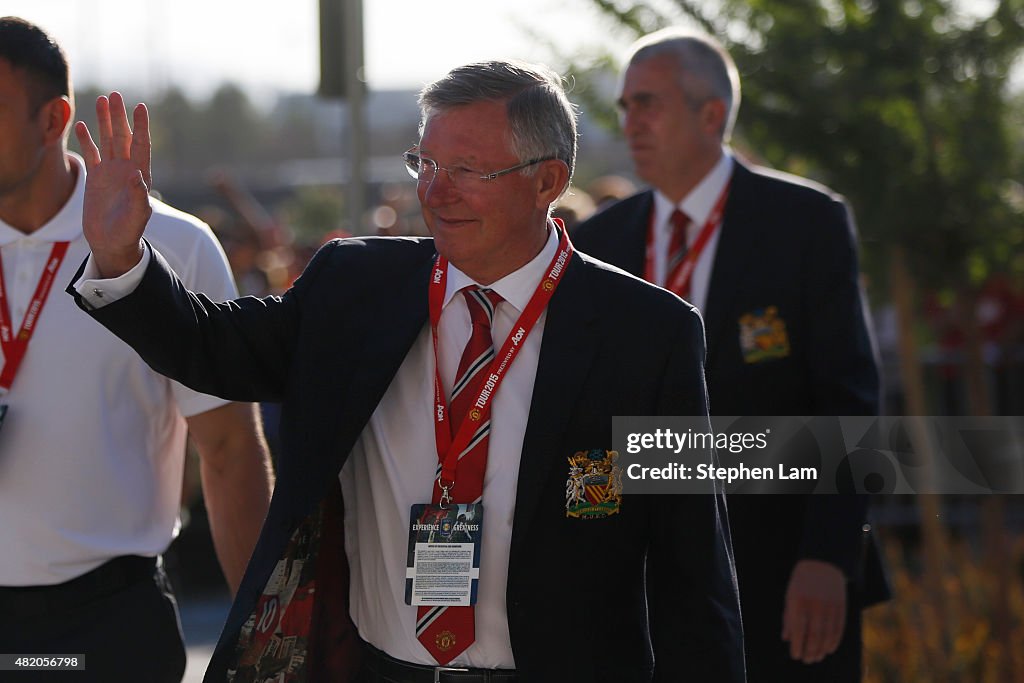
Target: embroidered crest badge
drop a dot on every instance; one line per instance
(445, 641)
(594, 487)
(763, 335)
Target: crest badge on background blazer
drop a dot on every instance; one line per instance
(763, 335)
(594, 487)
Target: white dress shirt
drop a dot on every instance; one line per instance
(392, 467)
(698, 205)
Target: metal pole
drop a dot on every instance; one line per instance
(355, 94)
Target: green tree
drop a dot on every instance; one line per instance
(231, 128)
(174, 120)
(1013, 252)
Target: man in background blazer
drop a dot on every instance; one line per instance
(642, 591)
(770, 261)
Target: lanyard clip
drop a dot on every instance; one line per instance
(446, 499)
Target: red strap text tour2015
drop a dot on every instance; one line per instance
(15, 346)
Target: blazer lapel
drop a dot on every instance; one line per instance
(633, 242)
(376, 363)
(735, 249)
(566, 355)
(381, 356)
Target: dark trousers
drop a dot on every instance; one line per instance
(122, 616)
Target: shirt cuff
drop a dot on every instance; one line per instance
(99, 292)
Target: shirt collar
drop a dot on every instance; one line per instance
(66, 224)
(518, 286)
(701, 199)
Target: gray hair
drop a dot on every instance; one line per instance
(541, 118)
(706, 70)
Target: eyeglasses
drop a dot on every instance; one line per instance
(424, 170)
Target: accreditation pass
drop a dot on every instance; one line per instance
(443, 566)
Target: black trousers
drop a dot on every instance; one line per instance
(122, 616)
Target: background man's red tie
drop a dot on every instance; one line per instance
(676, 245)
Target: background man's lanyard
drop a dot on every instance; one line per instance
(14, 347)
(678, 281)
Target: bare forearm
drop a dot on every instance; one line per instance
(237, 505)
(237, 482)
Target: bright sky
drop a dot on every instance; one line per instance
(272, 45)
(268, 45)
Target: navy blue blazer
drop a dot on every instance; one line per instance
(646, 594)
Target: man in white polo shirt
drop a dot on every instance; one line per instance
(92, 441)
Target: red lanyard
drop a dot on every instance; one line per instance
(448, 446)
(679, 280)
(14, 347)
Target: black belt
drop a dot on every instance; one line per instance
(386, 669)
(108, 578)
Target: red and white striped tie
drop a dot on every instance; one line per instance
(677, 244)
(446, 632)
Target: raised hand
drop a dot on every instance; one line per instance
(117, 185)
